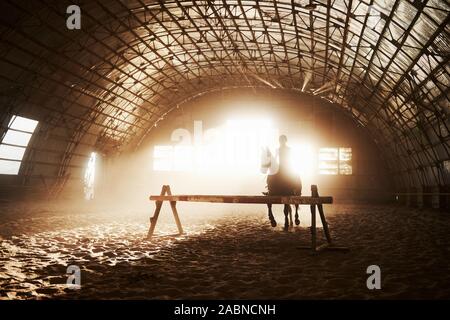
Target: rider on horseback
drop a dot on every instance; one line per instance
(282, 180)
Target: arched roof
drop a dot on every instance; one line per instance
(385, 62)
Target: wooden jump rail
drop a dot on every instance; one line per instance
(314, 200)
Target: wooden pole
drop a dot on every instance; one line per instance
(244, 199)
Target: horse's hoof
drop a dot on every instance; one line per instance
(297, 222)
(273, 223)
(291, 224)
(286, 228)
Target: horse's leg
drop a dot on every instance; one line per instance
(291, 223)
(273, 223)
(297, 220)
(286, 213)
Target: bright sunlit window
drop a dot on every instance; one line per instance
(233, 147)
(333, 161)
(89, 177)
(345, 158)
(447, 166)
(238, 147)
(14, 144)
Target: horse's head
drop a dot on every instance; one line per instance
(266, 159)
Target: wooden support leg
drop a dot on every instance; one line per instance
(326, 229)
(154, 219)
(313, 228)
(327, 246)
(173, 205)
(315, 193)
(324, 224)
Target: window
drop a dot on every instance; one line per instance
(89, 177)
(446, 165)
(14, 144)
(162, 158)
(345, 158)
(335, 161)
(328, 163)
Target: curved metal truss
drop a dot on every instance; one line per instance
(385, 62)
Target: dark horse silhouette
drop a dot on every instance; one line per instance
(282, 182)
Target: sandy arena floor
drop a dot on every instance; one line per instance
(237, 256)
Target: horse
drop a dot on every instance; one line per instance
(281, 183)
